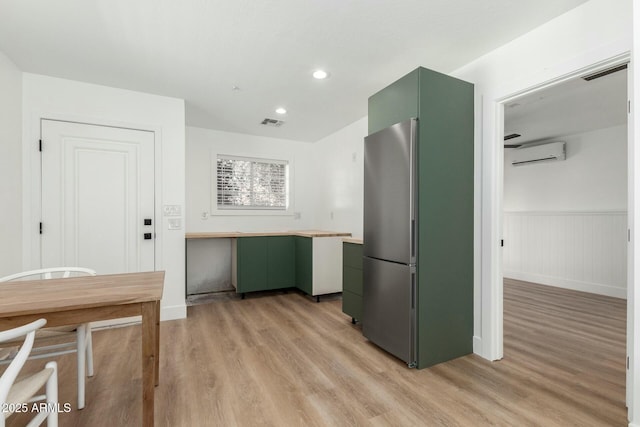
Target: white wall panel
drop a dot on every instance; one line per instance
(68, 100)
(577, 250)
(10, 167)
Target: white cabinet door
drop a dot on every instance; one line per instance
(327, 265)
(97, 191)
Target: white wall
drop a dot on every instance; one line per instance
(48, 97)
(592, 178)
(565, 222)
(202, 143)
(10, 167)
(202, 146)
(592, 33)
(340, 160)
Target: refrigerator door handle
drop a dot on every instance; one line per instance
(413, 195)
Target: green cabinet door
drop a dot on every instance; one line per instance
(304, 264)
(280, 262)
(252, 264)
(352, 280)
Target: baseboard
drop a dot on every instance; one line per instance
(477, 346)
(594, 288)
(173, 312)
(634, 425)
(166, 313)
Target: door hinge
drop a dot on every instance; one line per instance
(627, 362)
(502, 243)
(629, 106)
(40, 145)
(628, 234)
(40, 228)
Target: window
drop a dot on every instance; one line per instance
(249, 183)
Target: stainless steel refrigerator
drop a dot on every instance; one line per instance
(390, 230)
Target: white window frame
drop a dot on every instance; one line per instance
(251, 211)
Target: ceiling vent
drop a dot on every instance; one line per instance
(605, 72)
(272, 122)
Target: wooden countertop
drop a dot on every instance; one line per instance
(232, 234)
(352, 240)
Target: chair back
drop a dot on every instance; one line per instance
(11, 373)
(49, 273)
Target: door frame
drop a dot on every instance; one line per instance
(32, 178)
(492, 159)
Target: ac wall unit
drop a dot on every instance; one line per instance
(538, 153)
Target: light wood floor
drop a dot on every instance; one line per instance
(282, 360)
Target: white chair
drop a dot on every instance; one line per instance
(77, 338)
(20, 395)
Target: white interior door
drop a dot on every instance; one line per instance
(97, 192)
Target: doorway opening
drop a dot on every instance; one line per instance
(564, 228)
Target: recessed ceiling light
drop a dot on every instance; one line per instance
(320, 74)
(281, 110)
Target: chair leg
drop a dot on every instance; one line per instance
(89, 352)
(51, 389)
(82, 360)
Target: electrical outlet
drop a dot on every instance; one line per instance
(204, 216)
(297, 215)
(175, 223)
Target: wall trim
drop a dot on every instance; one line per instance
(173, 312)
(477, 344)
(558, 282)
(568, 213)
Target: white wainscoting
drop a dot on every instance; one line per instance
(585, 251)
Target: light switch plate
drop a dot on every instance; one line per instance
(172, 210)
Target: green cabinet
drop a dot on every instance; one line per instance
(304, 264)
(443, 106)
(352, 280)
(264, 263)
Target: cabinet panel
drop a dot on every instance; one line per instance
(304, 264)
(280, 262)
(352, 280)
(252, 264)
(352, 255)
(352, 304)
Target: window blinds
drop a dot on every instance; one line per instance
(246, 183)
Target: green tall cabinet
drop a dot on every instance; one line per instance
(444, 300)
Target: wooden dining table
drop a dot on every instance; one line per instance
(77, 300)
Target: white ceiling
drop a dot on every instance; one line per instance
(199, 49)
(568, 108)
